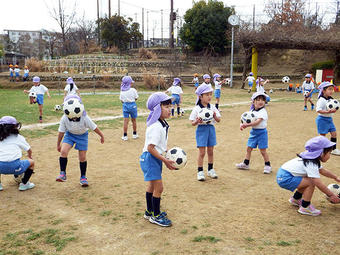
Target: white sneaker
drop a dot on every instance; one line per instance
(1, 188)
(135, 136)
(200, 176)
(28, 185)
(212, 174)
(267, 169)
(124, 138)
(336, 152)
(242, 166)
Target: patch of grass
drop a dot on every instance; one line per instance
(33, 236)
(249, 239)
(105, 213)
(283, 243)
(184, 231)
(194, 227)
(210, 239)
(155, 252)
(56, 222)
(267, 243)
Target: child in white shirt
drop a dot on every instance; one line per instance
(176, 93)
(71, 88)
(307, 90)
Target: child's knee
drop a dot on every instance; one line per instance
(201, 153)
(31, 163)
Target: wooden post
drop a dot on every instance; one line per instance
(254, 55)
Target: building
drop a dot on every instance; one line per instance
(14, 35)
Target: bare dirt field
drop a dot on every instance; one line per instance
(242, 212)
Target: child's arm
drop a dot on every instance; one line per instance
(323, 188)
(26, 91)
(255, 123)
(65, 93)
(29, 153)
(48, 94)
(196, 121)
(325, 111)
(180, 98)
(265, 82)
(100, 133)
(329, 174)
(60, 137)
(218, 119)
(155, 153)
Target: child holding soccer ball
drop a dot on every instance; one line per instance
(40, 90)
(308, 87)
(302, 174)
(205, 132)
(11, 146)
(324, 121)
(258, 134)
(75, 132)
(156, 138)
(128, 97)
(176, 93)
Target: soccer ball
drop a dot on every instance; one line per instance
(271, 91)
(32, 94)
(18, 179)
(285, 79)
(332, 104)
(247, 117)
(335, 188)
(177, 155)
(182, 111)
(305, 93)
(227, 81)
(57, 107)
(206, 115)
(73, 108)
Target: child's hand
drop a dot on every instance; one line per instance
(199, 121)
(337, 179)
(102, 139)
(332, 111)
(169, 164)
(243, 126)
(334, 199)
(58, 147)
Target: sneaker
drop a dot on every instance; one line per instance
(40, 119)
(309, 210)
(83, 181)
(312, 107)
(28, 185)
(61, 177)
(267, 169)
(242, 166)
(336, 152)
(200, 176)
(305, 109)
(1, 188)
(212, 174)
(134, 136)
(124, 138)
(160, 220)
(148, 214)
(295, 202)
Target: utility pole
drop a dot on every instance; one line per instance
(147, 29)
(162, 26)
(143, 25)
(98, 22)
(136, 17)
(109, 8)
(171, 39)
(254, 17)
(118, 7)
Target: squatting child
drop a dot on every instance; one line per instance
(156, 138)
(302, 175)
(308, 86)
(176, 94)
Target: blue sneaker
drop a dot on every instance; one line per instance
(312, 107)
(305, 109)
(61, 177)
(160, 220)
(148, 214)
(83, 181)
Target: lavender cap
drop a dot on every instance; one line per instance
(36, 79)
(202, 89)
(315, 146)
(323, 85)
(126, 83)
(176, 81)
(8, 120)
(154, 105)
(69, 80)
(206, 76)
(308, 75)
(215, 76)
(251, 74)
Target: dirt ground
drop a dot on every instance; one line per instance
(242, 212)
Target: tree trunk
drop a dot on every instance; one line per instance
(247, 58)
(336, 69)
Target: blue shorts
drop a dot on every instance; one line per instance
(217, 93)
(287, 181)
(197, 84)
(205, 136)
(176, 99)
(81, 141)
(17, 74)
(325, 125)
(11, 74)
(14, 167)
(250, 84)
(310, 96)
(40, 98)
(130, 109)
(151, 167)
(258, 137)
(26, 75)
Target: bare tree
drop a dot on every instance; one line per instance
(85, 33)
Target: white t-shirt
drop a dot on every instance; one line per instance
(76, 127)
(261, 114)
(307, 86)
(297, 168)
(156, 134)
(195, 80)
(26, 71)
(218, 84)
(71, 92)
(11, 70)
(260, 88)
(17, 70)
(41, 89)
(321, 105)
(194, 114)
(10, 148)
(128, 96)
(175, 90)
(250, 78)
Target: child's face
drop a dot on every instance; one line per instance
(207, 80)
(166, 111)
(327, 92)
(218, 78)
(325, 156)
(307, 79)
(259, 102)
(36, 83)
(206, 98)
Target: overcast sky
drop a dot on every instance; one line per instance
(34, 14)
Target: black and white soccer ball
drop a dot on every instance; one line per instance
(206, 115)
(248, 117)
(227, 81)
(285, 79)
(73, 108)
(335, 188)
(32, 94)
(182, 111)
(57, 107)
(332, 104)
(305, 93)
(177, 155)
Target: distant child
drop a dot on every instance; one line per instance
(75, 132)
(17, 72)
(250, 79)
(218, 85)
(40, 90)
(26, 73)
(71, 88)
(258, 134)
(11, 146)
(11, 73)
(128, 97)
(298, 89)
(176, 93)
(324, 121)
(302, 175)
(260, 87)
(195, 81)
(206, 80)
(205, 132)
(308, 86)
(156, 138)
